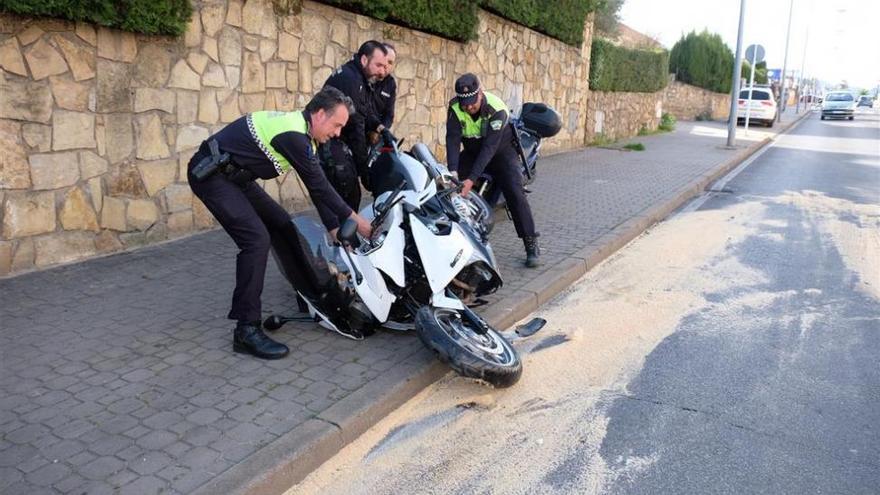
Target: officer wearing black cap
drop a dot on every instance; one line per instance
(345, 159)
(265, 145)
(478, 121)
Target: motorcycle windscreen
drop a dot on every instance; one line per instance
(389, 170)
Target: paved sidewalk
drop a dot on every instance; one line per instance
(117, 374)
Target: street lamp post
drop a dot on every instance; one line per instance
(734, 87)
(785, 63)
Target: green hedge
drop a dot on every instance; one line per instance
(455, 19)
(615, 68)
(563, 20)
(702, 60)
(140, 16)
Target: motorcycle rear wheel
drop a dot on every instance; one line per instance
(485, 356)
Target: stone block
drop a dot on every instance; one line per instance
(107, 242)
(319, 76)
(202, 218)
(118, 136)
(44, 61)
(5, 257)
(209, 112)
(187, 107)
(314, 35)
(77, 212)
(71, 130)
(197, 61)
(154, 99)
(25, 100)
(96, 191)
(276, 75)
(31, 34)
(214, 77)
(63, 247)
(182, 76)
(229, 109)
(91, 165)
(252, 16)
(250, 42)
(11, 59)
(288, 47)
(80, 57)
(153, 65)
(141, 214)
(193, 35)
(180, 222)
(305, 74)
(120, 46)
(190, 136)
(253, 78)
(87, 33)
(212, 18)
(37, 136)
(233, 13)
(125, 180)
(158, 174)
(28, 214)
(54, 170)
(71, 95)
(233, 76)
(113, 214)
(252, 103)
(267, 50)
(14, 169)
(114, 92)
(229, 45)
(23, 258)
(150, 138)
(178, 197)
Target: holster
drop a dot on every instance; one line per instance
(213, 163)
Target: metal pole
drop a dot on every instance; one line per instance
(734, 87)
(803, 66)
(751, 85)
(785, 63)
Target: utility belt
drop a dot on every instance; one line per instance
(222, 163)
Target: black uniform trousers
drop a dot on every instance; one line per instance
(341, 171)
(505, 171)
(248, 215)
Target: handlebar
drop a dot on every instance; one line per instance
(382, 209)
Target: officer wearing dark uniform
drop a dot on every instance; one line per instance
(264, 145)
(384, 92)
(345, 159)
(478, 121)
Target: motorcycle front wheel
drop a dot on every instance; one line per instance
(485, 356)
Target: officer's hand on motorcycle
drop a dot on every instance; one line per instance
(364, 228)
(466, 187)
(373, 137)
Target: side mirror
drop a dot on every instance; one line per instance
(347, 233)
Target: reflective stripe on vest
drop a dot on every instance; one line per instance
(475, 129)
(264, 126)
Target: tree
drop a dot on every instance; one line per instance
(702, 60)
(607, 18)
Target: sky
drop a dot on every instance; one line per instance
(841, 38)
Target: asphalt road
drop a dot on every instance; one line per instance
(731, 349)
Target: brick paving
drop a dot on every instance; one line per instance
(117, 374)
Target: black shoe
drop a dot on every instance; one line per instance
(248, 338)
(532, 251)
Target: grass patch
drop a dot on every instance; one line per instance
(601, 140)
(634, 147)
(667, 122)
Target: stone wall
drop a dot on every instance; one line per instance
(97, 125)
(618, 115)
(687, 102)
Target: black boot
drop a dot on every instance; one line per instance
(532, 251)
(248, 338)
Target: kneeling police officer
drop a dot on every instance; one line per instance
(265, 145)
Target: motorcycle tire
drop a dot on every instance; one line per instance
(488, 357)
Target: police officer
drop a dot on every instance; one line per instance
(264, 145)
(345, 159)
(478, 121)
(384, 91)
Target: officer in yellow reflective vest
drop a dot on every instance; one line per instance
(265, 145)
(478, 122)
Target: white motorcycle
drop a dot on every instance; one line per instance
(422, 267)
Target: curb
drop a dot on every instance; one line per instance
(290, 458)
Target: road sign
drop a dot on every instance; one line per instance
(774, 74)
(755, 54)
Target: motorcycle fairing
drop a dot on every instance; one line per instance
(449, 253)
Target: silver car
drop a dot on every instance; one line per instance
(838, 104)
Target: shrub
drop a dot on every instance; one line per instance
(615, 68)
(667, 122)
(140, 16)
(454, 19)
(564, 21)
(634, 147)
(702, 60)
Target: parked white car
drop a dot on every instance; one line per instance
(761, 105)
(838, 104)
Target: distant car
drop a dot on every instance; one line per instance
(866, 101)
(762, 106)
(838, 104)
